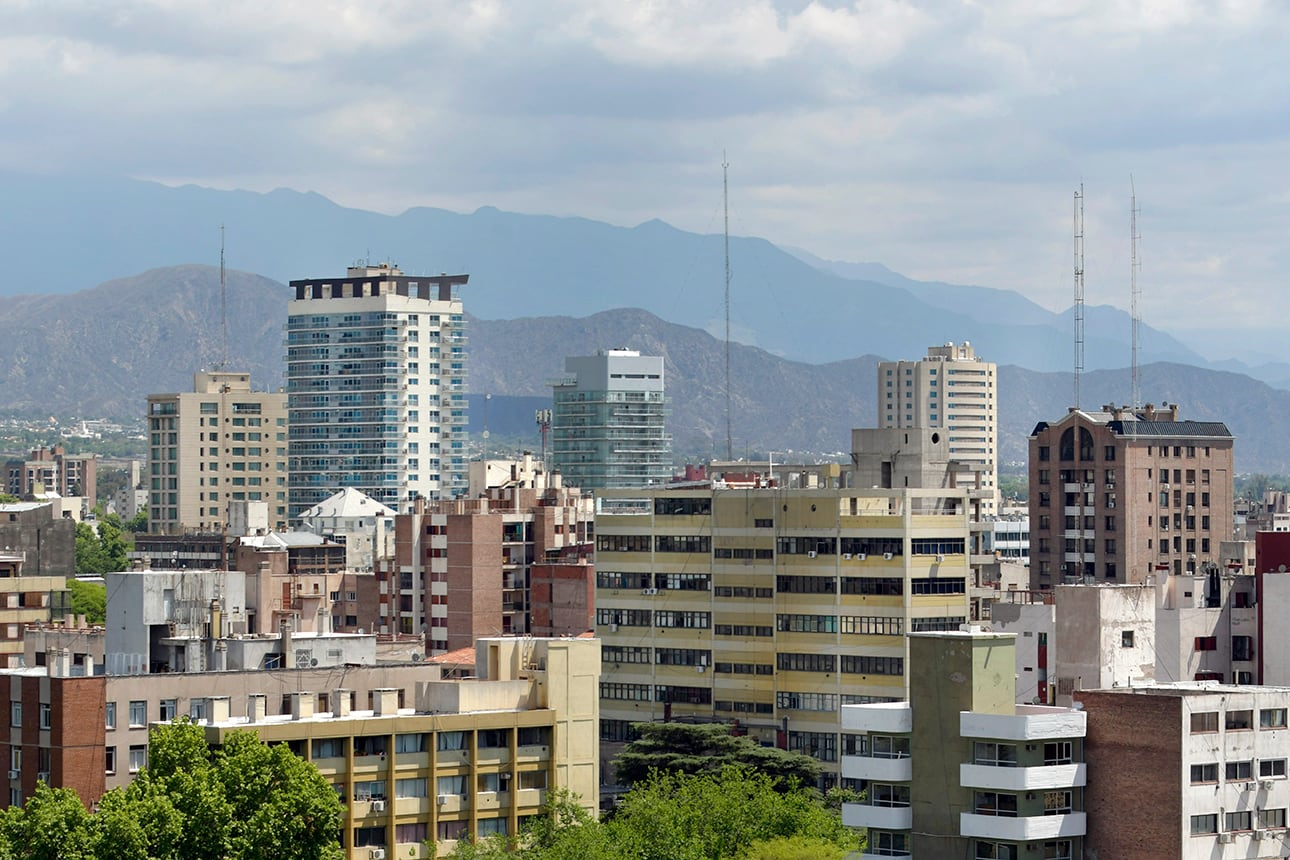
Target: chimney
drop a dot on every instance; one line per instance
(340, 703)
(385, 701)
(217, 709)
(302, 705)
(255, 707)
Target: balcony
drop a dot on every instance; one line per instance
(1022, 778)
(1030, 723)
(878, 769)
(882, 817)
(889, 718)
(1032, 828)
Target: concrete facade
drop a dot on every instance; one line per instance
(1210, 758)
(952, 391)
(52, 469)
(214, 445)
(1122, 495)
(376, 387)
(960, 770)
(608, 424)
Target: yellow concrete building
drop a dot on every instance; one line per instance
(771, 603)
(474, 757)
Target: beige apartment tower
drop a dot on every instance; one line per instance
(218, 444)
(954, 391)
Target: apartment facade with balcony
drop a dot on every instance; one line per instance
(960, 770)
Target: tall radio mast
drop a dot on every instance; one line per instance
(223, 305)
(1079, 288)
(725, 206)
(1135, 292)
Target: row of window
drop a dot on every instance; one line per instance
(1238, 720)
(1206, 824)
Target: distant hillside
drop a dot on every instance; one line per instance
(101, 351)
(537, 266)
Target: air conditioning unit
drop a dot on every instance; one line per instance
(1111, 504)
(888, 556)
(649, 592)
(940, 558)
(811, 554)
(43, 776)
(1265, 784)
(1251, 786)
(700, 669)
(377, 854)
(1224, 838)
(862, 556)
(846, 556)
(13, 774)
(1260, 834)
(444, 798)
(613, 628)
(378, 805)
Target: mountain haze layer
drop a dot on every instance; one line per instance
(101, 351)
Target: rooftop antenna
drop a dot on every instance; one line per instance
(1079, 288)
(223, 304)
(725, 206)
(1135, 292)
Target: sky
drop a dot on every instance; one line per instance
(943, 139)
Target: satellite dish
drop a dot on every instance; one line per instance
(417, 656)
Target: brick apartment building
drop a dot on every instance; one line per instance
(57, 471)
(1119, 495)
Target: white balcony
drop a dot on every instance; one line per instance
(882, 817)
(1020, 778)
(888, 718)
(878, 769)
(1032, 828)
(1029, 723)
(867, 855)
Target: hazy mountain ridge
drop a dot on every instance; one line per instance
(537, 266)
(101, 351)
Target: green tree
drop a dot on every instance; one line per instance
(711, 816)
(794, 848)
(88, 599)
(707, 748)
(8, 499)
(113, 543)
(89, 551)
(138, 524)
(51, 825)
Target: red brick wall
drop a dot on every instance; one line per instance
(78, 736)
(474, 578)
(1134, 796)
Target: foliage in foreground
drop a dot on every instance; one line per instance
(246, 801)
(695, 748)
(735, 814)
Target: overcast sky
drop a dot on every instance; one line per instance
(944, 139)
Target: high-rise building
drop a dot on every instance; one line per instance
(1120, 495)
(57, 471)
(770, 600)
(217, 444)
(950, 390)
(608, 422)
(376, 387)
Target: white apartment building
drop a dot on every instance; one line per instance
(952, 390)
(1208, 765)
(210, 447)
(376, 387)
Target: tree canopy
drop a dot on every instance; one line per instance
(733, 814)
(103, 549)
(693, 748)
(88, 599)
(244, 801)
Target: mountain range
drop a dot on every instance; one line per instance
(101, 351)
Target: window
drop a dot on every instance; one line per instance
(15, 714)
(329, 748)
(410, 743)
(45, 715)
(1272, 718)
(451, 785)
(1057, 802)
(1126, 639)
(109, 760)
(888, 795)
(1242, 647)
(1202, 824)
(415, 787)
(109, 715)
(1201, 773)
(1236, 821)
(1059, 849)
(1272, 768)
(1057, 752)
(1206, 643)
(1204, 721)
(138, 757)
(994, 754)
(996, 803)
(167, 710)
(1239, 721)
(138, 714)
(996, 851)
(1272, 817)
(1239, 771)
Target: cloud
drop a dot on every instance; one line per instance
(944, 138)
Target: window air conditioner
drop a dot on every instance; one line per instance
(444, 798)
(862, 556)
(1260, 834)
(846, 556)
(1265, 784)
(377, 854)
(649, 591)
(13, 774)
(940, 558)
(888, 556)
(613, 628)
(811, 554)
(43, 776)
(378, 805)
(1224, 838)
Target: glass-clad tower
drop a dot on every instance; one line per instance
(376, 387)
(607, 421)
